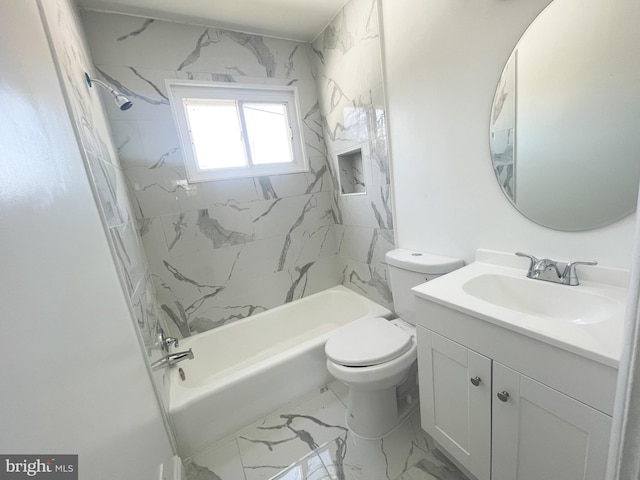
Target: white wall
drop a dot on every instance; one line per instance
(74, 378)
(72, 59)
(443, 59)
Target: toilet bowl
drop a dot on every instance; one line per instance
(374, 357)
(377, 358)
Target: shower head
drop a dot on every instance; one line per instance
(122, 102)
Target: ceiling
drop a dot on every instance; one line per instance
(293, 19)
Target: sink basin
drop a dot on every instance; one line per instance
(586, 319)
(536, 297)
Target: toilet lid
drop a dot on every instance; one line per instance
(366, 342)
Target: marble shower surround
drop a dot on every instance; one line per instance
(220, 251)
(348, 69)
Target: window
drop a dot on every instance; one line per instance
(232, 130)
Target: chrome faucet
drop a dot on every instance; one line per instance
(546, 267)
(165, 343)
(553, 271)
(172, 359)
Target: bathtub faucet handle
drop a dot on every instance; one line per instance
(166, 342)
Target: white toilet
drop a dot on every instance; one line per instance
(376, 357)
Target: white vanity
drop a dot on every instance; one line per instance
(517, 376)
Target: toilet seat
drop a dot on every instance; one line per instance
(367, 342)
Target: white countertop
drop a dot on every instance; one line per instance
(600, 340)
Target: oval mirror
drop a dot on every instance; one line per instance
(565, 121)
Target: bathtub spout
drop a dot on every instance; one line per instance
(171, 359)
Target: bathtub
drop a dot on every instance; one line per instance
(249, 368)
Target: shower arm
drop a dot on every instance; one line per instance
(122, 101)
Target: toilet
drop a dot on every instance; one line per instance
(377, 358)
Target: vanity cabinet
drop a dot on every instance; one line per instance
(454, 411)
(540, 433)
(502, 425)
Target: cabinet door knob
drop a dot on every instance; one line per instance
(503, 396)
(476, 380)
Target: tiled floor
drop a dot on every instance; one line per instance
(308, 440)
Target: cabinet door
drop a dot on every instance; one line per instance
(542, 434)
(455, 411)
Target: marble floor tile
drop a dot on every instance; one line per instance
(221, 462)
(352, 458)
(308, 440)
(290, 434)
(434, 469)
(309, 468)
(414, 473)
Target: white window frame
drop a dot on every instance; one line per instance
(179, 90)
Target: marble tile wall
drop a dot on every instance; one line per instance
(220, 251)
(72, 55)
(348, 69)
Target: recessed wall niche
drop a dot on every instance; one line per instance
(351, 172)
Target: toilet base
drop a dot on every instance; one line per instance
(374, 414)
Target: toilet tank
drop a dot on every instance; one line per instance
(407, 269)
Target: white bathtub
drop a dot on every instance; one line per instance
(249, 368)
